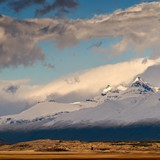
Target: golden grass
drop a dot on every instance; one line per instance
(15, 155)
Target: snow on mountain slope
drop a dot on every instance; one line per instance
(137, 88)
(139, 83)
(106, 90)
(120, 112)
(139, 102)
(43, 111)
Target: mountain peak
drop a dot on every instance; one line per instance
(140, 83)
(139, 80)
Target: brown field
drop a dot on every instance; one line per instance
(15, 155)
(65, 150)
(29, 155)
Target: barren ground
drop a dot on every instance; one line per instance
(56, 149)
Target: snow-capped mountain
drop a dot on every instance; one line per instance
(142, 85)
(139, 102)
(117, 107)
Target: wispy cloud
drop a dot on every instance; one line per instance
(96, 45)
(49, 66)
(60, 6)
(19, 5)
(42, 7)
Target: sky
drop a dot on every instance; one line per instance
(52, 58)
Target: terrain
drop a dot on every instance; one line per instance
(58, 149)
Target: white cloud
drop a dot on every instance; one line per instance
(92, 81)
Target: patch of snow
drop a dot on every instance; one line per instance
(106, 90)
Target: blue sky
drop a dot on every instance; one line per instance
(71, 59)
(85, 9)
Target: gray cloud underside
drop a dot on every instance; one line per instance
(139, 28)
(18, 43)
(11, 89)
(49, 66)
(60, 6)
(18, 5)
(42, 7)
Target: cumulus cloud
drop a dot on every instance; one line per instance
(17, 43)
(138, 28)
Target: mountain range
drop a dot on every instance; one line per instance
(118, 113)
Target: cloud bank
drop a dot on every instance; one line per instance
(15, 96)
(93, 81)
(138, 27)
